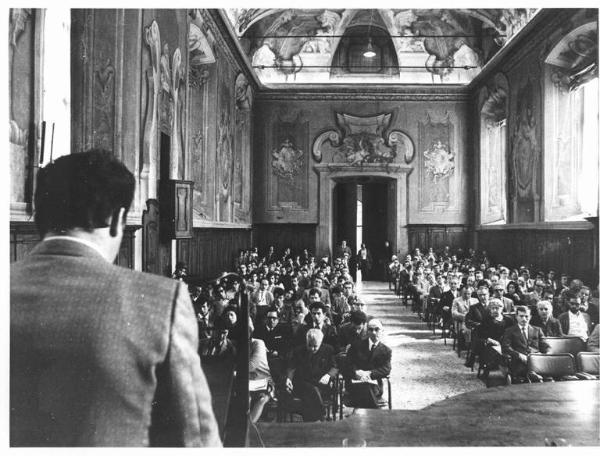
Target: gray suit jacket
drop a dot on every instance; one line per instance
(102, 355)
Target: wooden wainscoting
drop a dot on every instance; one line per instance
(24, 237)
(570, 251)
(297, 236)
(211, 251)
(437, 236)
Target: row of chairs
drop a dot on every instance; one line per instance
(544, 367)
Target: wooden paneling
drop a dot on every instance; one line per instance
(437, 236)
(23, 237)
(126, 256)
(569, 251)
(294, 235)
(211, 251)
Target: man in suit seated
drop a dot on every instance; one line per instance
(311, 368)
(318, 321)
(368, 361)
(354, 330)
(474, 318)
(545, 321)
(100, 355)
(276, 335)
(520, 340)
(574, 322)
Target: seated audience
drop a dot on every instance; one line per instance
(276, 336)
(354, 330)
(311, 368)
(544, 320)
(317, 313)
(489, 335)
(368, 361)
(522, 339)
(574, 322)
(593, 343)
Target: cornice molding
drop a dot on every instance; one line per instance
(366, 94)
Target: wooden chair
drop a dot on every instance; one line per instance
(588, 365)
(543, 367)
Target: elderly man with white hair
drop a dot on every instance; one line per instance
(368, 361)
(312, 368)
(545, 321)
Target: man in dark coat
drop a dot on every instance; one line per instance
(521, 339)
(368, 361)
(312, 367)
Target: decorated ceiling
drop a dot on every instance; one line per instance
(410, 46)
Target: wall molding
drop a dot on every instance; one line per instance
(548, 226)
(366, 93)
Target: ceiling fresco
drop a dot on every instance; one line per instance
(412, 46)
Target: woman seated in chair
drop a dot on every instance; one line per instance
(490, 334)
(312, 368)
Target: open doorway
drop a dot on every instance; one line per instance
(360, 216)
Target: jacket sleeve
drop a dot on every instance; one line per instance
(384, 369)
(183, 414)
(506, 343)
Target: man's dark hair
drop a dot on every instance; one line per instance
(523, 309)
(314, 291)
(82, 190)
(358, 317)
(318, 305)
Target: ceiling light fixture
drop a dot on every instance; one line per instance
(370, 52)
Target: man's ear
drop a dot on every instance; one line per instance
(118, 221)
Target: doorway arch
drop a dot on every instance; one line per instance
(397, 176)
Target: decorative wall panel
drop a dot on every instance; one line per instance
(24, 105)
(438, 176)
(242, 147)
(289, 164)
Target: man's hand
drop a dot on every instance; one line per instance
(288, 384)
(325, 379)
(523, 357)
(362, 375)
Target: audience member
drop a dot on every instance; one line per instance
(312, 368)
(521, 340)
(368, 361)
(574, 322)
(544, 320)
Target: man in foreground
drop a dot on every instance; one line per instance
(100, 355)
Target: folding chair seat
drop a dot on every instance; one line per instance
(550, 367)
(588, 365)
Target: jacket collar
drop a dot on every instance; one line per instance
(60, 245)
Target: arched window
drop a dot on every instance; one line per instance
(493, 139)
(571, 126)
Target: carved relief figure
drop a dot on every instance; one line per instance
(287, 160)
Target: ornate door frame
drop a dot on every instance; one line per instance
(398, 205)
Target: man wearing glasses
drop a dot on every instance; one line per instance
(368, 361)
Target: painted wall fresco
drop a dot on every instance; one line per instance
(437, 192)
(21, 106)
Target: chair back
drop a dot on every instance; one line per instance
(589, 362)
(553, 365)
(572, 345)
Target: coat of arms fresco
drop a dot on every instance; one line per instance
(287, 159)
